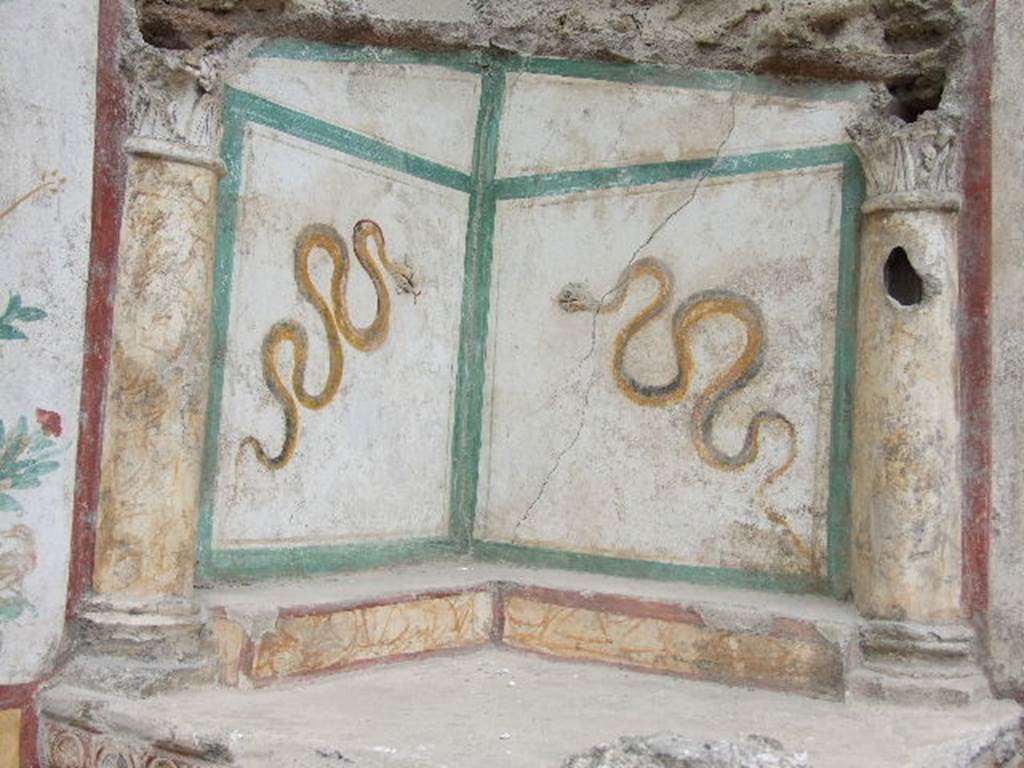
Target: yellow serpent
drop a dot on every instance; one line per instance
(698, 307)
(336, 321)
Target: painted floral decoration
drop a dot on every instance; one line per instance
(26, 456)
(16, 312)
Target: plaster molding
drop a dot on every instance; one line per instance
(173, 96)
(909, 166)
(910, 663)
(144, 146)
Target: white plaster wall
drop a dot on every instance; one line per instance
(427, 110)
(1007, 566)
(568, 123)
(47, 102)
(374, 464)
(568, 462)
(571, 463)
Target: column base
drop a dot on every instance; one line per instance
(140, 648)
(918, 665)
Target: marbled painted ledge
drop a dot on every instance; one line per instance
(656, 637)
(711, 634)
(311, 640)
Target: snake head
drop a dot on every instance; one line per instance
(575, 297)
(404, 278)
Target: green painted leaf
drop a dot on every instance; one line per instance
(12, 608)
(8, 504)
(17, 312)
(9, 332)
(41, 468)
(31, 314)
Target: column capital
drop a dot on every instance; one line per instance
(174, 100)
(909, 166)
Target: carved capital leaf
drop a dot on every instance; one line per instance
(917, 163)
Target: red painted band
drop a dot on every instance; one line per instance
(625, 606)
(975, 245)
(109, 172)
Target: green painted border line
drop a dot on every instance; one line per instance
(256, 563)
(630, 73)
(540, 557)
(476, 292)
(224, 257)
(570, 182)
(303, 50)
(641, 73)
(265, 112)
(837, 526)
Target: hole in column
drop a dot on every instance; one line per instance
(902, 282)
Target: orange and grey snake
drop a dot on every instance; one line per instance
(698, 307)
(336, 321)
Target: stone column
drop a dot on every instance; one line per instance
(142, 607)
(906, 495)
(157, 386)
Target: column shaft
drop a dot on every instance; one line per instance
(906, 469)
(157, 387)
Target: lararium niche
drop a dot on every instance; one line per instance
(603, 362)
(551, 312)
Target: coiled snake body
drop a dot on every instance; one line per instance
(336, 321)
(696, 308)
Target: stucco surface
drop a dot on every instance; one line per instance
(572, 462)
(426, 110)
(906, 493)
(373, 463)
(1007, 569)
(571, 123)
(45, 193)
(731, 469)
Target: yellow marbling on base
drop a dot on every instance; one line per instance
(668, 646)
(322, 641)
(10, 732)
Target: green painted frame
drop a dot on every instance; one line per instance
(484, 191)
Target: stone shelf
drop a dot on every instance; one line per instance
(500, 709)
(268, 633)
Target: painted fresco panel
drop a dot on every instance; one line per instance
(427, 110)
(570, 123)
(575, 460)
(45, 196)
(619, 310)
(370, 461)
